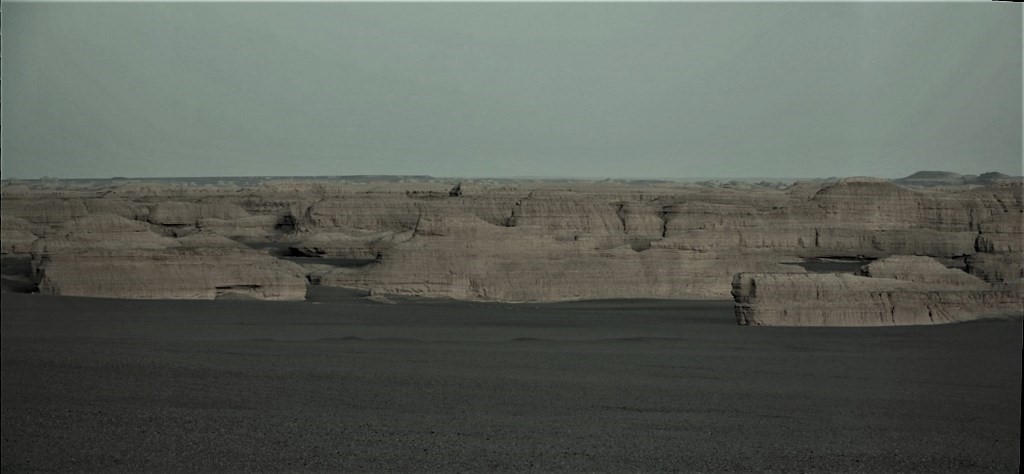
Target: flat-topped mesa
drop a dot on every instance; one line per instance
(899, 291)
(109, 256)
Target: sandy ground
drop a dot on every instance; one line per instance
(341, 383)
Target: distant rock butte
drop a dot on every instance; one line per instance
(521, 241)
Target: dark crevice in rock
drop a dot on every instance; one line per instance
(622, 218)
(305, 252)
(237, 287)
(833, 264)
(639, 245)
(286, 224)
(663, 215)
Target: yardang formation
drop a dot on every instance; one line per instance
(519, 241)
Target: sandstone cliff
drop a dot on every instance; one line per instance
(17, 235)
(105, 255)
(527, 240)
(895, 291)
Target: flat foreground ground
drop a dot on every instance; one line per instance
(341, 383)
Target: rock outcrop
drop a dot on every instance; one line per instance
(997, 268)
(892, 292)
(924, 270)
(105, 255)
(1000, 248)
(521, 240)
(484, 262)
(17, 235)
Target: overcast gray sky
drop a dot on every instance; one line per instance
(669, 90)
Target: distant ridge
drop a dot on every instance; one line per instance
(935, 175)
(921, 178)
(948, 178)
(994, 175)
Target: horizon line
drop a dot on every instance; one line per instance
(518, 177)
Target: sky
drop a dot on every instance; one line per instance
(584, 90)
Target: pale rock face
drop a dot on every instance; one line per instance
(50, 211)
(225, 218)
(524, 264)
(1003, 234)
(920, 270)
(247, 228)
(566, 215)
(189, 213)
(105, 255)
(896, 291)
(880, 219)
(106, 233)
(885, 206)
(526, 241)
(119, 206)
(11, 222)
(880, 243)
(16, 241)
(17, 235)
(465, 226)
(495, 209)
(338, 244)
(690, 216)
(997, 268)
(181, 275)
(364, 212)
(642, 219)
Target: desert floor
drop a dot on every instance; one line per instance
(342, 383)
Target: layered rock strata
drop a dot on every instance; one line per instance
(105, 255)
(544, 240)
(17, 235)
(476, 260)
(891, 292)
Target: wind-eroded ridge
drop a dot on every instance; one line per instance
(520, 241)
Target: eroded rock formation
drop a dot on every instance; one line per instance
(503, 240)
(105, 255)
(894, 291)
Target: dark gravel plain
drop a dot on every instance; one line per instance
(341, 383)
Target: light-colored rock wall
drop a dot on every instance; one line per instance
(518, 265)
(106, 255)
(920, 270)
(17, 235)
(897, 291)
(181, 275)
(997, 268)
(546, 240)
